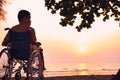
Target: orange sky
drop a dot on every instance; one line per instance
(101, 43)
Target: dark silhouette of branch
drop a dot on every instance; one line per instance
(86, 9)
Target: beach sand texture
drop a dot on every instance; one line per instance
(83, 77)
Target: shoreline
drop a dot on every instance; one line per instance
(78, 77)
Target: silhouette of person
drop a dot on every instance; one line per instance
(24, 17)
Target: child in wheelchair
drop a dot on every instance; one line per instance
(24, 24)
(18, 44)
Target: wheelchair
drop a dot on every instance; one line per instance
(24, 63)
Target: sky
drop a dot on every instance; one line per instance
(62, 45)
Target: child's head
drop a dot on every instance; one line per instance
(22, 14)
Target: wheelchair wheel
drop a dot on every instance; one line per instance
(4, 56)
(36, 69)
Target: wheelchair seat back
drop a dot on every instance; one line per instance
(20, 45)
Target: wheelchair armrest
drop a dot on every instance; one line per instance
(36, 43)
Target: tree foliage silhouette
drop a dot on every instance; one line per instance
(2, 11)
(86, 9)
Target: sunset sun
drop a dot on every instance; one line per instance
(83, 49)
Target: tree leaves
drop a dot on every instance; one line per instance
(87, 10)
(2, 11)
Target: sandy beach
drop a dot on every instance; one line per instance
(82, 77)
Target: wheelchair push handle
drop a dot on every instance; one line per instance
(7, 29)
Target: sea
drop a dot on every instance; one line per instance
(53, 70)
(81, 69)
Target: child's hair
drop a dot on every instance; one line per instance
(22, 14)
